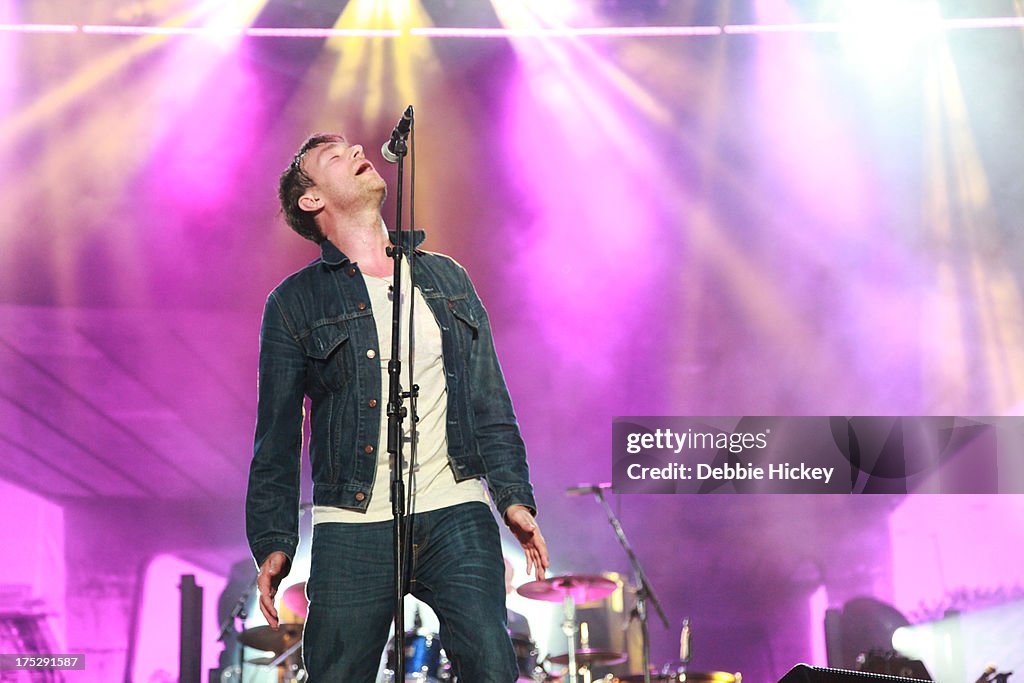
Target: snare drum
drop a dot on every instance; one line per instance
(425, 661)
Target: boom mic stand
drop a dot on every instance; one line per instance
(644, 590)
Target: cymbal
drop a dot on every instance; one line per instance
(265, 638)
(587, 656)
(581, 587)
(294, 598)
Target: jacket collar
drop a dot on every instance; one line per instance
(333, 256)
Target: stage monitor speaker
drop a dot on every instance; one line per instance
(802, 673)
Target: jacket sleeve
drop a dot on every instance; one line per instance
(272, 501)
(497, 430)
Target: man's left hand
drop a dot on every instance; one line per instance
(522, 524)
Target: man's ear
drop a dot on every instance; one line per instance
(310, 202)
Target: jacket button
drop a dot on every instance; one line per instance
(370, 353)
(372, 403)
(361, 306)
(360, 496)
(368, 449)
(352, 271)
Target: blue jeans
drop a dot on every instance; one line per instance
(456, 568)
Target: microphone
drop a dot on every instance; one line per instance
(584, 489)
(399, 134)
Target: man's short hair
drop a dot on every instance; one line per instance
(293, 184)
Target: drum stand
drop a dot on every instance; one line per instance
(569, 629)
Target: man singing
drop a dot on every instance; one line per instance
(326, 334)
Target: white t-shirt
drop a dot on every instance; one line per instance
(433, 483)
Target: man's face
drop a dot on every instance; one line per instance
(343, 179)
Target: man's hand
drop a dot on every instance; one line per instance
(274, 569)
(521, 523)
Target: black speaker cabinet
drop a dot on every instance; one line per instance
(801, 673)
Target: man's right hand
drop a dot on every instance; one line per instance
(272, 571)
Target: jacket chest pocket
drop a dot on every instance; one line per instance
(327, 356)
(466, 325)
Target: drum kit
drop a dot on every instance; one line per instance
(286, 645)
(425, 660)
(574, 589)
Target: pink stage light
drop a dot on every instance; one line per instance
(38, 28)
(987, 22)
(323, 32)
(237, 31)
(609, 31)
(837, 27)
(739, 29)
(480, 32)
(162, 30)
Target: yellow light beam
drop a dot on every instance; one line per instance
(87, 78)
(975, 316)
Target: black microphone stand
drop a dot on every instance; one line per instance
(396, 411)
(227, 627)
(644, 590)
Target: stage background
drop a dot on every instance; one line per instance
(791, 222)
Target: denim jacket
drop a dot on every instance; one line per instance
(318, 339)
